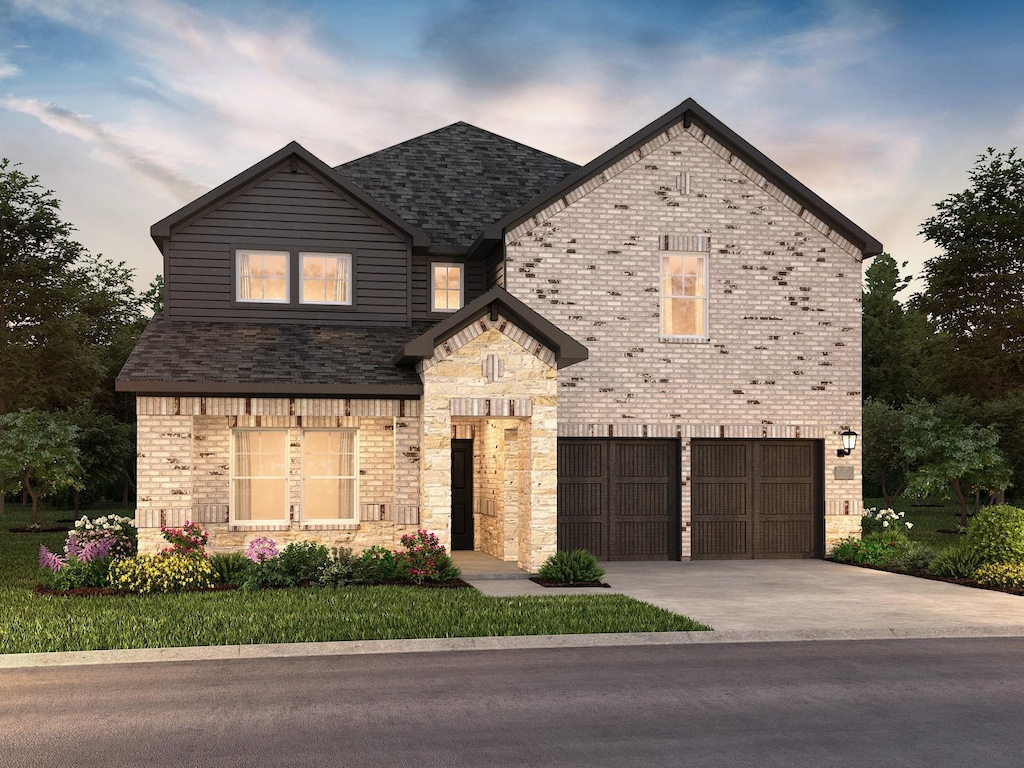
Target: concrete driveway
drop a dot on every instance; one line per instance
(804, 596)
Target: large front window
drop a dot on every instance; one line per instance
(684, 295)
(262, 276)
(259, 484)
(329, 476)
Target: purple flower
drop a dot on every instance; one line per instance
(48, 560)
(72, 548)
(261, 549)
(95, 550)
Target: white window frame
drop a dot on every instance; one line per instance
(240, 252)
(345, 258)
(355, 480)
(706, 297)
(286, 512)
(462, 285)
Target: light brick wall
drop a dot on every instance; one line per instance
(783, 358)
(185, 466)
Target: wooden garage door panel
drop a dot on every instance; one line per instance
(718, 499)
(581, 500)
(711, 460)
(640, 499)
(640, 540)
(755, 498)
(579, 535)
(581, 459)
(720, 539)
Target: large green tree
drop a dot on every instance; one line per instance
(895, 338)
(974, 286)
(68, 318)
(38, 452)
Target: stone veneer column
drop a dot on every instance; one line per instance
(494, 362)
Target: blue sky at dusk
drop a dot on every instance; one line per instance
(129, 109)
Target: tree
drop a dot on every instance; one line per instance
(949, 456)
(154, 295)
(37, 453)
(892, 348)
(885, 461)
(106, 449)
(974, 286)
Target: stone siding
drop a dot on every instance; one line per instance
(783, 357)
(516, 391)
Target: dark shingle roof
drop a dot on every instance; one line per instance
(269, 357)
(455, 181)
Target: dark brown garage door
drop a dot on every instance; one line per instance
(619, 498)
(757, 499)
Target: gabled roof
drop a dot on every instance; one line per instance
(455, 181)
(567, 350)
(214, 358)
(162, 229)
(689, 111)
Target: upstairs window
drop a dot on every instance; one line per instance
(684, 295)
(262, 276)
(326, 278)
(446, 287)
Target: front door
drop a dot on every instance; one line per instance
(462, 494)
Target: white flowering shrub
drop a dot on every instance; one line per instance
(121, 530)
(875, 520)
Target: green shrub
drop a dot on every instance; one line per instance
(883, 548)
(576, 567)
(375, 565)
(916, 556)
(881, 520)
(997, 534)
(302, 562)
(170, 572)
(1001, 575)
(78, 573)
(230, 568)
(959, 561)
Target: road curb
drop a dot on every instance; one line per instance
(518, 642)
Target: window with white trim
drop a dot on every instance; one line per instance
(262, 276)
(684, 295)
(259, 476)
(446, 287)
(330, 476)
(326, 278)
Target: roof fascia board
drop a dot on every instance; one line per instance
(687, 111)
(567, 350)
(162, 229)
(240, 388)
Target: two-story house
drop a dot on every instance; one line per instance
(651, 356)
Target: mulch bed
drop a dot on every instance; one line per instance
(547, 583)
(39, 529)
(922, 574)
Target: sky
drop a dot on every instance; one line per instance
(130, 109)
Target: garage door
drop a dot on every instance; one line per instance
(619, 498)
(757, 499)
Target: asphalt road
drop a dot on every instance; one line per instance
(899, 703)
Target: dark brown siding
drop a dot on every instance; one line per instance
(287, 210)
(494, 265)
(757, 499)
(421, 283)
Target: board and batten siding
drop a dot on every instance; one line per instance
(287, 210)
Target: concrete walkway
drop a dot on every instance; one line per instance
(799, 596)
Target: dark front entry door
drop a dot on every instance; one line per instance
(462, 494)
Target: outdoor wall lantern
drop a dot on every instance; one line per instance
(849, 442)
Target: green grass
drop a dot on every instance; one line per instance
(927, 521)
(33, 623)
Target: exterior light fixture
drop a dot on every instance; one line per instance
(849, 442)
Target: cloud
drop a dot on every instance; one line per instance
(7, 69)
(106, 142)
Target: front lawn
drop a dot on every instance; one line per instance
(34, 623)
